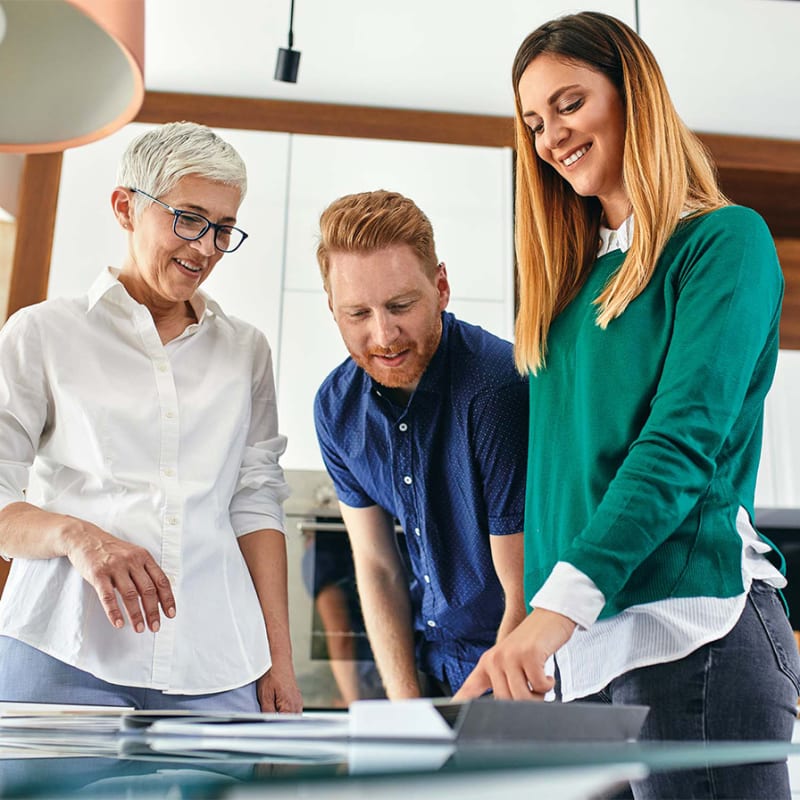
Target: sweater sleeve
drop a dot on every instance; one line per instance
(728, 289)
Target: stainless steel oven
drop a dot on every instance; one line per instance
(332, 657)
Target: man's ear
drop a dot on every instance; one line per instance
(442, 285)
(122, 205)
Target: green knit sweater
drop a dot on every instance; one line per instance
(645, 437)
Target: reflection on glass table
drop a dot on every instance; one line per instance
(361, 769)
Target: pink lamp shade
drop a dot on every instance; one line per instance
(71, 71)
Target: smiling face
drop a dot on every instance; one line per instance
(388, 312)
(161, 269)
(578, 120)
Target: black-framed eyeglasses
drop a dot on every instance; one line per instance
(190, 225)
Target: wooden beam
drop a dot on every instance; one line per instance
(763, 174)
(789, 255)
(36, 219)
(328, 119)
(754, 154)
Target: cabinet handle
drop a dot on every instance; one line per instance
(309, 526)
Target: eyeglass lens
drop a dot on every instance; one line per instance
(193, 226)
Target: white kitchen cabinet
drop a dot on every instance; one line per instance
(247, 283)
(465, 192)
(778, 484)
(310, 348)
(273, 281)
(87, 237)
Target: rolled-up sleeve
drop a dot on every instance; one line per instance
(23, 404)
(257, 502)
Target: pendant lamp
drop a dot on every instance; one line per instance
(71, 71)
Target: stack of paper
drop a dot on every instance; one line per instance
(52, 717)
(44, 730)
(314, 736)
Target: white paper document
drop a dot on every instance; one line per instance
(366, 719)
(324, 735)
(59, 717)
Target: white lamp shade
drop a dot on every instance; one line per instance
(71, 71)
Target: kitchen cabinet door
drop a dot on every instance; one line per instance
(778, 484)
(86, 236)
(247, 284)
(464, 191)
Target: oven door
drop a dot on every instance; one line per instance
(332, 656)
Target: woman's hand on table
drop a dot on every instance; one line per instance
(514, 668)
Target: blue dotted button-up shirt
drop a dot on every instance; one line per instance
(450, 466)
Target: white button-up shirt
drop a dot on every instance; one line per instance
(173, 447)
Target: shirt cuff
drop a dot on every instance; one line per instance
(570, 592)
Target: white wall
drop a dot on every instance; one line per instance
(273, 280)
(466, 193)
(731, 65)
(779, 472)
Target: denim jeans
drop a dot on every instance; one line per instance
(28, 675)
(742, 687)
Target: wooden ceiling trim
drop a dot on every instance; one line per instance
(761, 173)
(328, 119)
(754, 154)
(789, 255)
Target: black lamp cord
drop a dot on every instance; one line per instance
(291, 22)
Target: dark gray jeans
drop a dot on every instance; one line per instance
(742, 687)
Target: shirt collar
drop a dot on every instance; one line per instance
(431, 379)
(619, 239)
(622, 237)
(107, 287)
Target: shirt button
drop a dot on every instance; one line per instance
(431, 623)
(407, 480)
(172, 520)
(403, 427)
(426, 578)
(416, 532)
(162, 367)
(169, 472)
(170, 415)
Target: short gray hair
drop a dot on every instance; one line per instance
(155, 161)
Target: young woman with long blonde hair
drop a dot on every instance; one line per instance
(648, 323)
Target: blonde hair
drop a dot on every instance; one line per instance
(361, 223)
(666, 171)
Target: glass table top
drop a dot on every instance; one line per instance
(111, 766)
